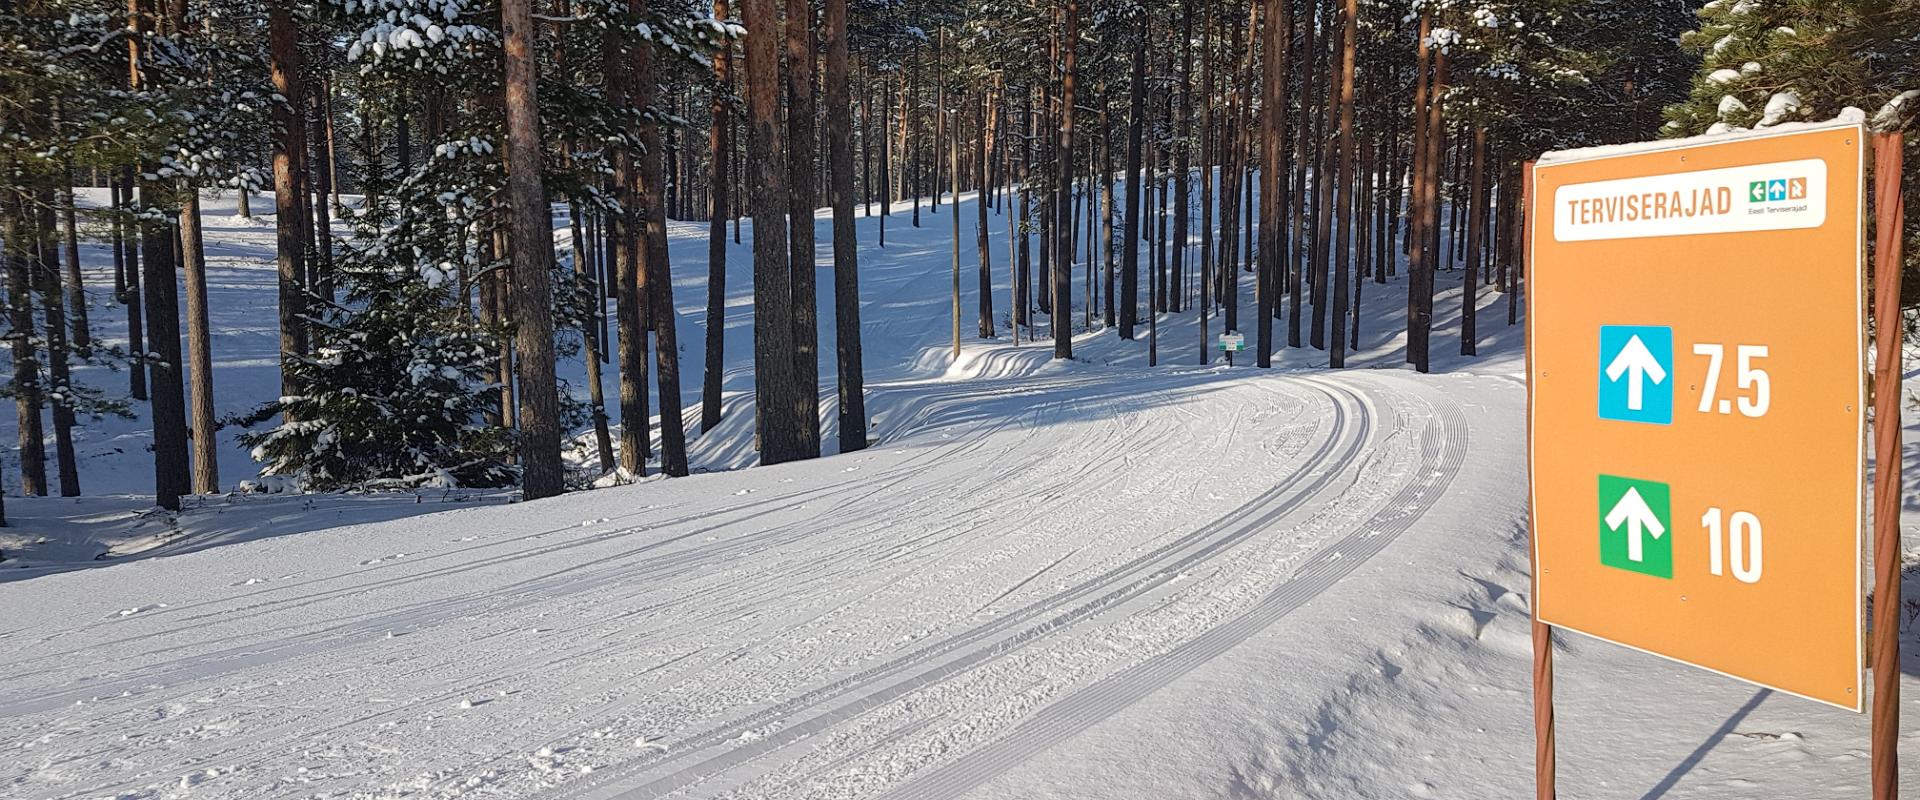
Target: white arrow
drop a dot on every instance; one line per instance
(1635, 358)
(1632, 509)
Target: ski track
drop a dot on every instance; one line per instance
(788, 645)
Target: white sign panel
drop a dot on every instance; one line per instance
(1786, 195)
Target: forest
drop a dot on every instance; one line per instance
(465, 194)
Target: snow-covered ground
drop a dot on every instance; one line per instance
(1093, 579)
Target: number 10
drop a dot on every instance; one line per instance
(1745, 547)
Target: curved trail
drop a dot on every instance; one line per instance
(1021, 558)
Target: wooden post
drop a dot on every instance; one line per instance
(1889, 212)
(1543, 742)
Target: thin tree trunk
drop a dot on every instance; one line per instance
(290, 241)
(1470, 295)
(1345, 241)
(1273, 141)
(1063, 154)
(205, 427)
(846, 242)
(75, 286)
(657, 270)
(624, 229)
(47, 276)
(318, 201)
(982, 238)
(583, 269)
(805, 410)
(1182, 162)
(719, 149)
(1136, 130)
(27, 391)
(1416, 193)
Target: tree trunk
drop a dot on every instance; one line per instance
(846, 242)
(205, 427)
(532, 247)
(27, 391)
(1273, 141)
(805, 409)
(981, 239)
(1136, 130)
(773, 345)
(46, 276)
(624, 230)
(1063, 154)
(76, 300)
(719, 148)
(657, 270)
(1416, 196)
(1182, 162)
(130, 294)
(290, 241)
(1476, 220)
(1345, 241)
(583, 270)
(318, 200)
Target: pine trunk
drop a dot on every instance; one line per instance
(1136, 132)
(719, 149)
(846, 242)
(773, 345)
(531, 242)
(1345, 241)
(205, 427)
(1063, 155)
(1273, 143)
(805, 409)
(290, 239)
(624, 229)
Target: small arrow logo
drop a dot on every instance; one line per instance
(1639, 365)
(1632, 510)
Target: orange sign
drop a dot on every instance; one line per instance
(1697, 362)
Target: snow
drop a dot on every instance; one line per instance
(1084, 579)
(1848, 118)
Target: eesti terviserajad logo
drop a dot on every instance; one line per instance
(1777, 190)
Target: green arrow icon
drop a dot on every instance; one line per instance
(1636, 522)
(1757, 191)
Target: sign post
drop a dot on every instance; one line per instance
(1889, 209)
(1696, 323)
(1231, 343)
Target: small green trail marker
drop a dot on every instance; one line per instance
(1635, 518)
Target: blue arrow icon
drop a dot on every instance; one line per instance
(1636, 373)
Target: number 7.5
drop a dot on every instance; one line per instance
(1747, 376)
